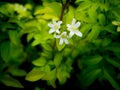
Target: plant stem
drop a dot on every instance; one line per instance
(64, 6)
(61, 2)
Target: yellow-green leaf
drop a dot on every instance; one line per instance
(102, 19)
(57, 59)
(35, 74)
(50, 75)
(9, 81)
(40, 61)
(94, 33)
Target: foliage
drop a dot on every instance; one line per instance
(96, 53)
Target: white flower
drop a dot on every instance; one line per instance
(63, 38)
(73, 28)
(55, 26)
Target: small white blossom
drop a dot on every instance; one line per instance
(63, 38)
(55, 26)
(73, 28)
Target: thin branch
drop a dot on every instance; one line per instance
(64, 6)
(62, 2)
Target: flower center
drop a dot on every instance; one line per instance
(73, 28)
(63, 36)
(56, 27)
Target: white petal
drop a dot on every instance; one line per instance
(78, 33)
(57, 31)
(66, 41)
(59, 22)
(61, 41)
(50, 25)
(68, 25)
(56, 36)
(64, 33)
(51, 31)
(71, 34)
(54, 21)
(77, 24)
(73, 21)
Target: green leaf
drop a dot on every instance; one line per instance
(47, 68)
(116, 14)
(89, 77)
(30, 36)
(47, 54)
(56, 7)
(113, 62)
(110, 28)
(69, 61)
(80, 15)
(48, 16)
(102, 19)
(115, 47)
(9, 81)
(17, 72)
(11, 52)
(115, 22)
(15, 51)
(85, 28)
(57, 59)
(49, 11)
(92, 12)
(62, 74)
(47, 47)
(70, 15)
(5, 51)
(106, 42)
(91, 60)
(52, 82)
(41, 10)
(104, 6)
(9, 11)
(84, 5)
(40, 61)
(36, 42)
(18, 22)
(50, 75)
(94, 33)
(35, 74)
(78, 1)
(41, 37)
(37, 88)
(59, 47)
(118, 76)
(14, 37)
(111, 80)
(118, 29)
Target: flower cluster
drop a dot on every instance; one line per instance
(72, 28)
